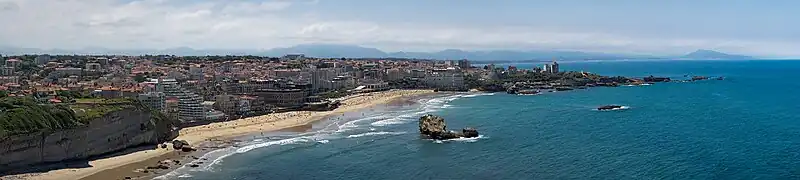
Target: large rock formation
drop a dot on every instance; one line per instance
(434, 127)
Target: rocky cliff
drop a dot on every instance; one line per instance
(113, 131)
(434, 127)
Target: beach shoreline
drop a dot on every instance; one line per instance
(119, 167)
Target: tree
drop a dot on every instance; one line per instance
(139, 78)
(3, 94)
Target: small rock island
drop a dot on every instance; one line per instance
(434, 127)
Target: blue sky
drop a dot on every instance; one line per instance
(761, 28)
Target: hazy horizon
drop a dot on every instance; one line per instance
(621, 27)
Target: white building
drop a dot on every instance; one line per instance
(190, 106)
(322, 79)
(550, 68)
(395, 74)
(155, 100)
(446, 79)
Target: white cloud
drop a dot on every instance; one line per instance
(267, 24)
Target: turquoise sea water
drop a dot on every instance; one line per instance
(744, 127)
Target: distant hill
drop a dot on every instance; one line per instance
(352, 51)
(709, 54)
(334, 51)
(327, 51)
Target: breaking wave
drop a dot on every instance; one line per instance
(337, 128)
(374, 134)
(469, 140)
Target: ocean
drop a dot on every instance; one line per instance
(744, 127)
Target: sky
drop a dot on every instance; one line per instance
(765, 28)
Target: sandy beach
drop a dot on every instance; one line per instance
(199, 134)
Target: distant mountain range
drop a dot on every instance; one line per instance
(350, 51)
(709, 54)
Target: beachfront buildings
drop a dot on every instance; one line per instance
(322, 79)
(287, 98)
(190, 106)
(445, 79)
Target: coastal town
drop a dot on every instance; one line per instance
(203, 89)
(73, 107)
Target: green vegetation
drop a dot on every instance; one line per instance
(23, 115)
(139, 78)
(87, 109)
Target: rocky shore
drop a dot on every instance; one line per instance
(570, 81)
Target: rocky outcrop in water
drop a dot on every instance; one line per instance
(434, 127)
(657, 79)
(608, 107)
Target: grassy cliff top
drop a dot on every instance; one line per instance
(87, 109)
(25, 115)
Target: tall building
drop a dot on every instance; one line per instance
(190, 106)
(321, 78)
(154, 100)
(463, 64)
(554, 67)
(445, 79)
(550, 68)
(42, 59)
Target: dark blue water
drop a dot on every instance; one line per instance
(744, 127)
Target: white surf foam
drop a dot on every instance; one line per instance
(350, 125)
(476, 95)
(469, 140)
(392, 121)
(374, 134)
(428, 106)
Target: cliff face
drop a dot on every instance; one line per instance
(112, 132)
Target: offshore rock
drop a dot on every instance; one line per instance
(470, 132)
(698, 78)
(608, 107)
(434, 127)
(657, 79)
(430, 124)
